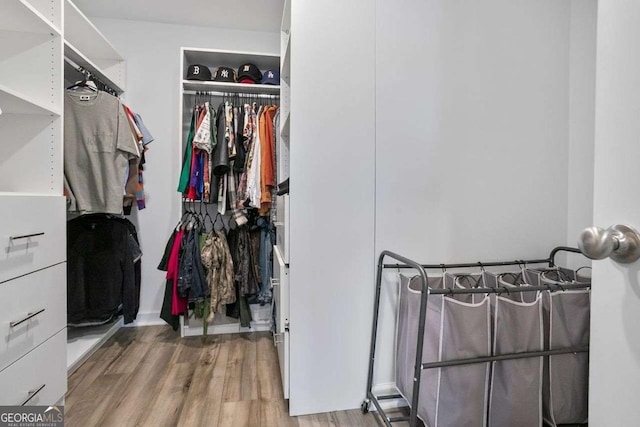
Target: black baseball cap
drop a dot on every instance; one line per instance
(198, 72)
(249, 72)
(224, 74)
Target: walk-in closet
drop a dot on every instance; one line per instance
(294, 213)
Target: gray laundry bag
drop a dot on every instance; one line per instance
(566, 376)
(516, 385)
(453, 396)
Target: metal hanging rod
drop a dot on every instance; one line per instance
(550, 260)
(90, 76)
(232, 94)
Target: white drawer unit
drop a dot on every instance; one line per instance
(36, 312)
(282, 345)
(40, 377)
(280, 284)
(32, 234)
(282, 226)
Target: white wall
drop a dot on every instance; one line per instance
(582, 98)
(152, 52)
(472, 143)
(332, 202)
(615, 297)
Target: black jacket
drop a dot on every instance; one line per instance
(102, 278)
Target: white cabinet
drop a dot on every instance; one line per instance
(37, 312)
(40, 377)
(32, 234)
(281, 301)
(32, 205)
(281, 249)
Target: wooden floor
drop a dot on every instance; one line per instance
(151, 377)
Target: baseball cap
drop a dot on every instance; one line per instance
(271, 77)
(198, 72)
(224, 74)
(249, 71)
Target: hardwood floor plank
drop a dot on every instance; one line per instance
(316, 420)
(166, 408)
(204, 400)
(240, 381)
(90, 408)
(132, 401)
(275, 413)
(244, 413)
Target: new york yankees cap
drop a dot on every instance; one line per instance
(198, 72)
(249, 72)
(224, 74)
(271, 77)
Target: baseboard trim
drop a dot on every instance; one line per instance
(147, 319)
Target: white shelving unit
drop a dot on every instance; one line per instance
(281, 249)
(32, 233)
(212, 59)
(87, 47)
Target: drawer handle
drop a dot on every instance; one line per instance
(278, 223)
(275, 282)
(26, 236)
(24, 319)
(32, 394)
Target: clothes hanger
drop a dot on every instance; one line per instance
(84, 83)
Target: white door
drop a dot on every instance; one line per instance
(614, 392)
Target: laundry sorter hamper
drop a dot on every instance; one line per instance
(470, 348)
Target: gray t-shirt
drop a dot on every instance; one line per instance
(98, 145)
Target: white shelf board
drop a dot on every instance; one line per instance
(12, 102)
(26, 194)
(20, 16)
(72, 53)
(83, 342)
(230, 87)
(233, 59)
(81, 33)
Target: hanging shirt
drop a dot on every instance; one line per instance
(267, 171)
(253, 176)
(202, 138)
(97, 150)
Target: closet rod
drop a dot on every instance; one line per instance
(230, 94)
(550, 261)
(88, 74)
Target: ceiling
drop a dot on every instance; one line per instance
(247, 15)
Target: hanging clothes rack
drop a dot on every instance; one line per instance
(101, 85)
(403, 263)
(239, 95)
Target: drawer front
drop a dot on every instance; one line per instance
(282, 345)
(46, 366)
(32, 234)
(280, 290)
(282, 226)
(37, 312)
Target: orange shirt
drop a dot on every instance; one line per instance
(267, 151)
